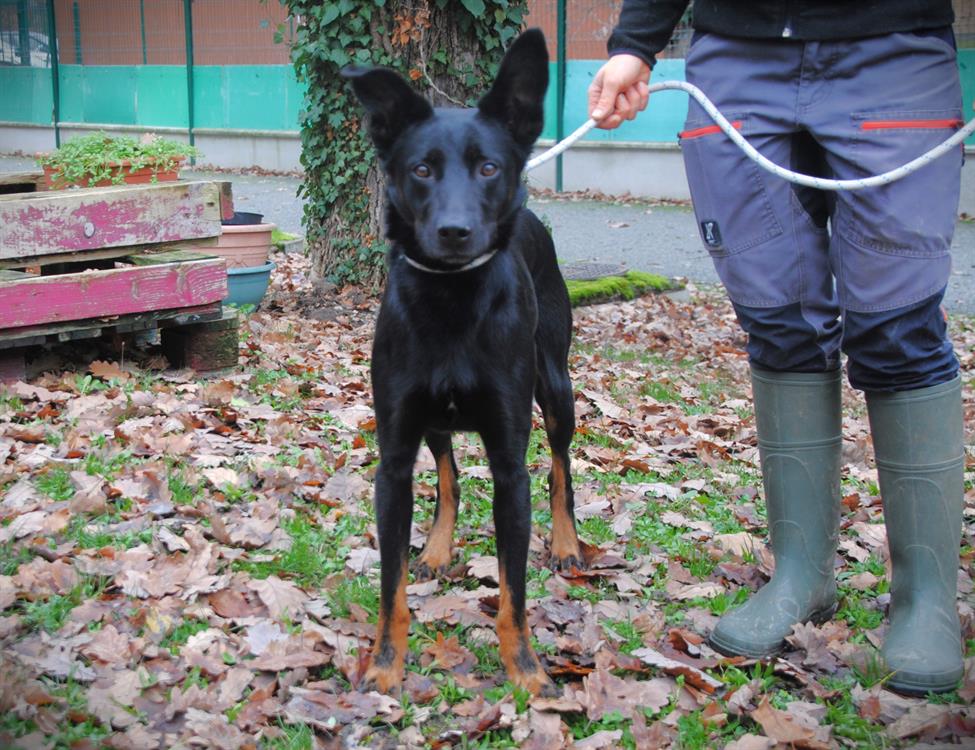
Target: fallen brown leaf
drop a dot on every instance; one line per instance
(791, 728)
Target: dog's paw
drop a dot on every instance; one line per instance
(386, 680)
(426, 571)
(566, 564)
(536, 682)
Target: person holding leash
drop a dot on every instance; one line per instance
(844, 90)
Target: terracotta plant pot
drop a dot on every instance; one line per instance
(147, 174)
(244, 245)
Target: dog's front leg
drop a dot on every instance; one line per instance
(394, 517)
(435, 558)
(512, 523)
(554, 394)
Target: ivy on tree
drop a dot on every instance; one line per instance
(449, 49)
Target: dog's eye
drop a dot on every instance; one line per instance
(489, 169)
(422, 171)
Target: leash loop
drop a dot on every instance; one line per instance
(795, 177)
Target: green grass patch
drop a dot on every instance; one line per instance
(50, 614)
(359, 590)
(316, 551)
(12, 557)
(293, 737)
(184, 491)
(86, 731)
(56, 484)
(629, 285)
(181, 634)
(103, 463)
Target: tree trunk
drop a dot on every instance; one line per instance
(443, 48)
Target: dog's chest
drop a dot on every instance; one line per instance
(458, 356)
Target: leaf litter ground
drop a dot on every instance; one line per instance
(190, 562)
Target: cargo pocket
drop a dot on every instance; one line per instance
(731, 205)
(913, 216)
(898, 236)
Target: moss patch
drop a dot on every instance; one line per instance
(279, 238)
(607, 288)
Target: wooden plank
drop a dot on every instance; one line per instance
(12, 275)
(46, 223)
(48, 260)
(119, 291)
(111, 252)
(168, 256)
(204, 347)
(32, 176)
(20, 182)
(12, 366)
(30, 335)
(226, 201)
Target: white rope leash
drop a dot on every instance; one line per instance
(752, 153)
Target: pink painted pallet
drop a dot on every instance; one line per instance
(164, 284)
(76, 263)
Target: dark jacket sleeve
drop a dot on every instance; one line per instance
(645, 27)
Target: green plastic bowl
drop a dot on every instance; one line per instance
(246, 286)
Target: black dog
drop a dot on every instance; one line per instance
(474, 321)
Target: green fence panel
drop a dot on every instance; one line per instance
(966, 65)
(71, 84)
(238, 97)
(548, 131)
(27, 96)
(269, 97)
(661, 121)
(247, 97)
(160, 96)
(98, 93)
(148, 95)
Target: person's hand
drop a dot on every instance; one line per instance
(619, 91)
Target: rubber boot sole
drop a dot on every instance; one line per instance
(918, 686)
(728, 648)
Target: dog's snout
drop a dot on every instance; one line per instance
(454, 234)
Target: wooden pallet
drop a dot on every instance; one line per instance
(65, 225)
(76, 263)
(21, 182)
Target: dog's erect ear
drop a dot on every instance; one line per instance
(390, 102)
(518, 94)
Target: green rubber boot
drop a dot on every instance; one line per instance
(799, 432)
(917, 439)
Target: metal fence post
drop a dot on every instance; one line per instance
(54, 52)
(188, 23)
(23, 32)
(560, 68)
(142, 28)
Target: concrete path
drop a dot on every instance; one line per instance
(658, 239)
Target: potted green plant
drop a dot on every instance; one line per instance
(100, 159)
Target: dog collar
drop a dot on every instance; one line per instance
(480, 260)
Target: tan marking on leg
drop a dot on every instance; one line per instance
(385, 672)
(519, 658)
(565, 542)
(437, 553)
